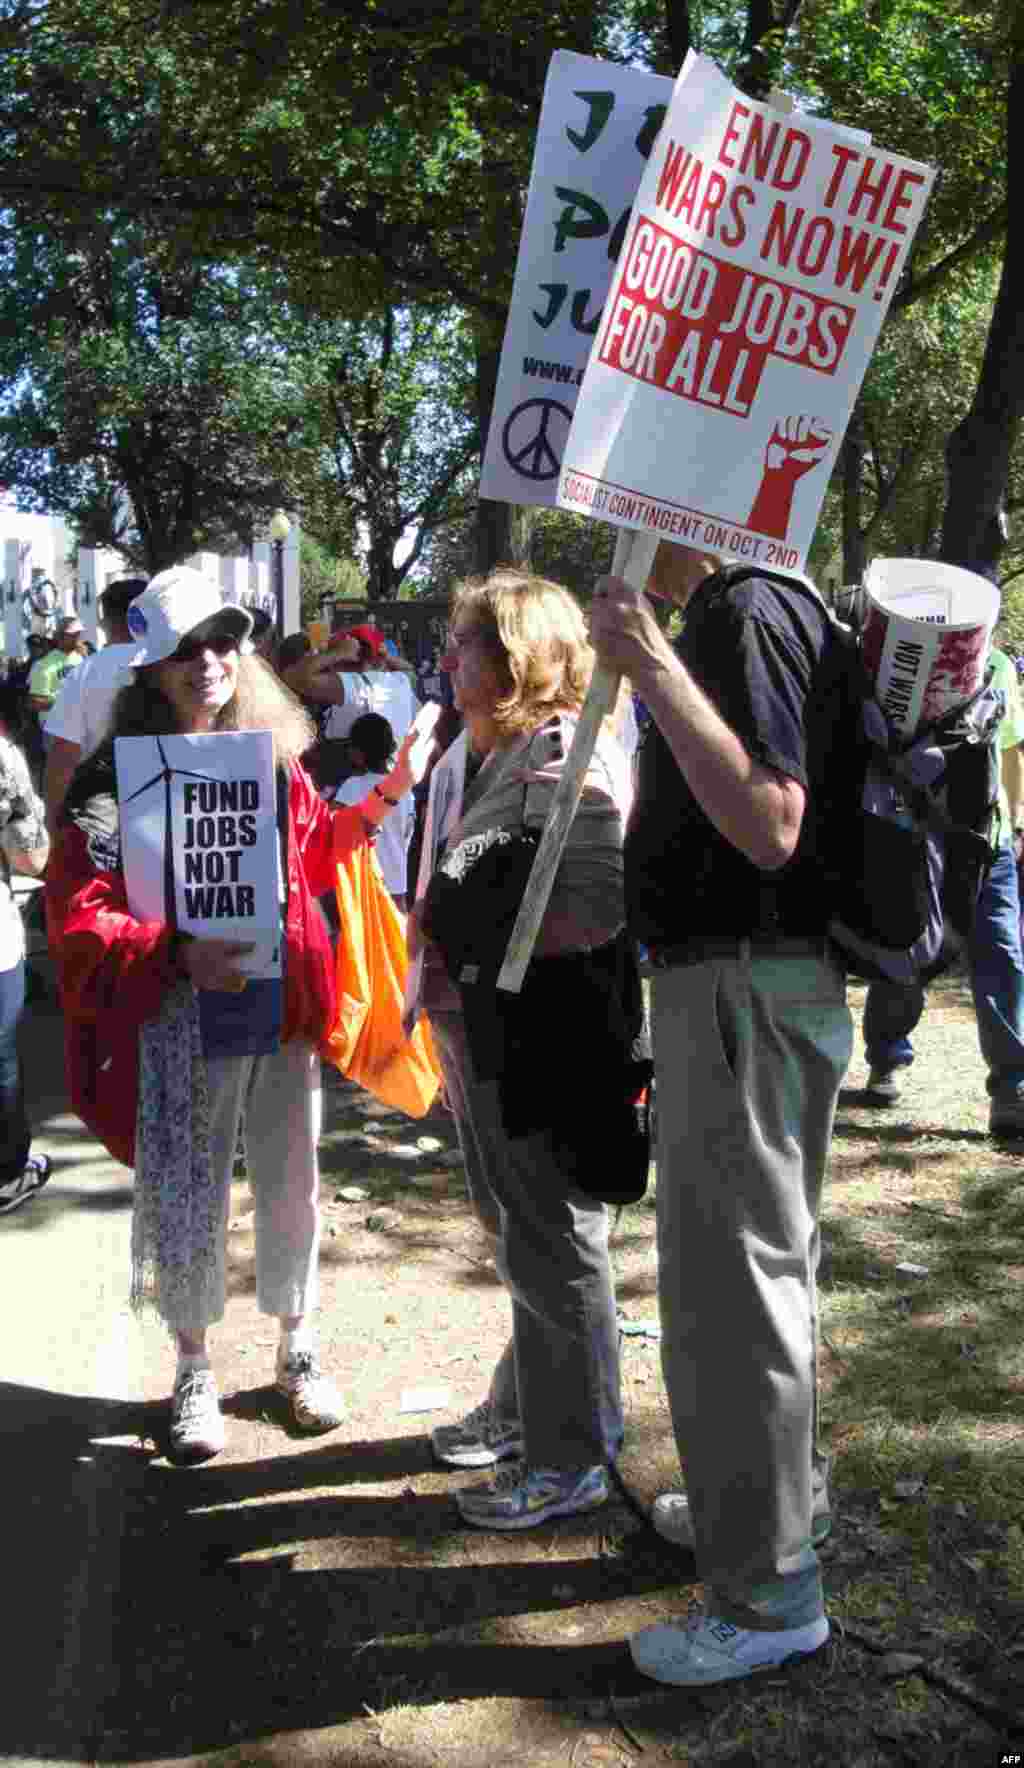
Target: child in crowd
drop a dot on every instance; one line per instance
(371, 744)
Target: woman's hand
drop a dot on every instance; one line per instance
(213, 963)
(416, 753)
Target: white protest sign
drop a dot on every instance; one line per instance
(598, 124)
(760, 260)
(199, 837)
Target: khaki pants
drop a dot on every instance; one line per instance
(749, 1056)
(560, 1372)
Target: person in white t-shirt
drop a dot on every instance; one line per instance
(371, 744)
(371, 685)
(80, 715)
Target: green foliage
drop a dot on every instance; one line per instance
(366, 162)
(324, 579)
(390, 428)
(928, 80)
(141, 397)
(559, 545)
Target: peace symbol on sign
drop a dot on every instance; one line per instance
(528, 445)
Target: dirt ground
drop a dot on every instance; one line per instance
(321, 1603)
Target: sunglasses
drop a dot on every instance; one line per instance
(221, 644)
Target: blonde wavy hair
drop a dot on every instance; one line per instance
(536, 633)
(260, 702)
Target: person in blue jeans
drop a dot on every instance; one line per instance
(23, 848)
(893, 1010)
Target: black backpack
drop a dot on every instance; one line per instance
(906, 829)
(911, 841)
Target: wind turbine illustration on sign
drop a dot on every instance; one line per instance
(167, 773)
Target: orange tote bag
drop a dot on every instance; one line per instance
(367, 1042)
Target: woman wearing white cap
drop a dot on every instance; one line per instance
(162, 1062)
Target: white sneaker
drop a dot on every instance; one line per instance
(316, 1405)
(197, 1428)
(706, 1649)
(671, 1519)
(478, 1440)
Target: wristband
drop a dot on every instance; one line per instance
(387, 799)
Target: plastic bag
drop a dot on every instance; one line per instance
(367, 1041)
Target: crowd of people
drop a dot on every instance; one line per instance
(704, 849)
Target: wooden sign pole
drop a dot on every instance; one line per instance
(634, 556)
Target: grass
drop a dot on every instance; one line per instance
(923, 1375)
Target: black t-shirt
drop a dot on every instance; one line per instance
(760, 649)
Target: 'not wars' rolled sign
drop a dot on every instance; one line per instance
(199, 837)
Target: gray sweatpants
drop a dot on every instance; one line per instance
(749, 1056)
(280, 1096)
(560, 1372)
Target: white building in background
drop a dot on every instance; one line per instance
(43, 579)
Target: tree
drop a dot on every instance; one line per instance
(979, 451)
(949, 90)
(381, 155)
(564, 547)
(892, 479)
(324, 579)
(390, 433)
(142, 396)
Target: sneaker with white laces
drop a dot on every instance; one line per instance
(478, 1440)
(32, 1178)
(197, 1428)
(522, 1498)
(316, 1405)
(706, 1649)
(671, 1519)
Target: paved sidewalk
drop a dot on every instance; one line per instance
(72, 1367)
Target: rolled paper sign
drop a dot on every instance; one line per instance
(634, 556)
(926, 636)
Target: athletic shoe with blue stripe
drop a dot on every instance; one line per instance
(522, 1498)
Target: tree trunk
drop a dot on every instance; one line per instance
(380, 569)
(502, 534)
(979, 450)
(678, 30)
(763, 45)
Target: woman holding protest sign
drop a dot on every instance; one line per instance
(169, 1041)
(547, 1135)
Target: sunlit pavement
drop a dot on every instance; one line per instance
(73, 1365)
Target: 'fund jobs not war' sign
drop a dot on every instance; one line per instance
(760, 259)
(199, 837)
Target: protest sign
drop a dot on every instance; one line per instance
(759, 263)
(199, 837)
(598, 124)
(925, 637)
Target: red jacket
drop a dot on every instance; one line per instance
(114, 970)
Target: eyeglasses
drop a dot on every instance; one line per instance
(220, 643)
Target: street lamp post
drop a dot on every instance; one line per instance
(279, 530)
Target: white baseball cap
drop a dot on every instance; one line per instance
(175, 603)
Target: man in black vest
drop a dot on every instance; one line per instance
(752, 1038)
